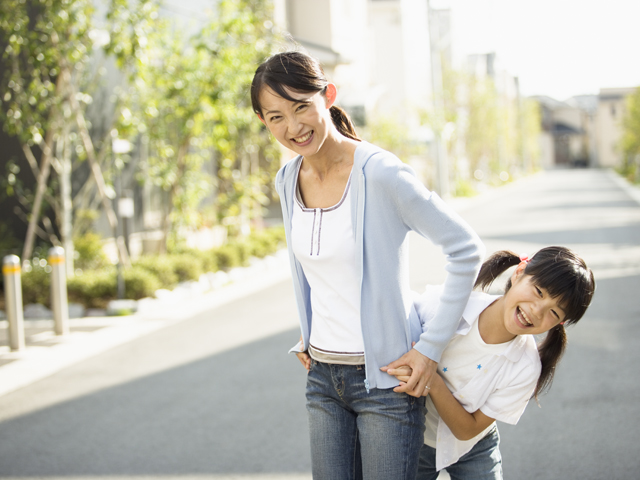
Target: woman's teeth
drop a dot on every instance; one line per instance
(303, 138)
(523, 318)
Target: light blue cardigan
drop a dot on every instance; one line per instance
(388, 201)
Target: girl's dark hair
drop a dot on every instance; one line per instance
(299, 72)
(565, 276)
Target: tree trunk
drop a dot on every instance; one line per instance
(123, 256)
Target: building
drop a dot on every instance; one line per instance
(611, 109)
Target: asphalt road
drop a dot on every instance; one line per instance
(217, 396)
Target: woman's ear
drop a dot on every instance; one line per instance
(261, 119)
(330, 95)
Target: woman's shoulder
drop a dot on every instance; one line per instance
(372, 157)
(287, 169)
(379, 164)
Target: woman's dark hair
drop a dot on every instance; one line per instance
(565, 276)
(299, 72)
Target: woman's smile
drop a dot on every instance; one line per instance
(303, 140)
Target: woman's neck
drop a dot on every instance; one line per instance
(491, 324)
(336, 151)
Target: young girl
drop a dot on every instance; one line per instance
(347, 208)
(492, 366)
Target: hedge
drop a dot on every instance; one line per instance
(94, 288)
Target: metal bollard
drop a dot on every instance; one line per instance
(13, 300)
(59, 303)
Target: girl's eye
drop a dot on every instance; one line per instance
(555, 314)
(539, 291)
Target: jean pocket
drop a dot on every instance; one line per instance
(312, 364)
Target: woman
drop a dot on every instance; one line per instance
(348, 207)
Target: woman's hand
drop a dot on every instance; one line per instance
(303, 356)
(305, 360)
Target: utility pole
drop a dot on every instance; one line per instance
(442, 160)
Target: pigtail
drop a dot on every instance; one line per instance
(550, 350)
(494, 266)
(343, 123)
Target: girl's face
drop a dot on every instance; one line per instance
(302, 125)
(529, 309)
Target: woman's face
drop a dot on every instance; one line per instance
(529, 308)
(302, 125)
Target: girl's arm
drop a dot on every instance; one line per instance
(463, 425)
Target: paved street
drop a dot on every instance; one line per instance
(217, 396)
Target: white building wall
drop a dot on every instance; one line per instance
(611, 110)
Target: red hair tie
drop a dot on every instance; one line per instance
(524, 258)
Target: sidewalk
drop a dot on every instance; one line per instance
(47, 353)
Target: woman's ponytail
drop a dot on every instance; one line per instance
(494, 266)
(343, 123)
(550, 350)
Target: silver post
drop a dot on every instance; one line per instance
(59, 303)
(13, 300)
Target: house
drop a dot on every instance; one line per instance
(611, 108)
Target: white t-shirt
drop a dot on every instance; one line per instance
(498, 379)
(323, 242)
(463, 358)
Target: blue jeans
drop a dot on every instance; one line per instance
(482, 462)
(355, 434)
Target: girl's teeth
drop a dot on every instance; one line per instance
(522, 318)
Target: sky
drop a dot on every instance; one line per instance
(558, 48)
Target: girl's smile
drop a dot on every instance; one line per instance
(534, 311)
(521, 317)
(524, 309)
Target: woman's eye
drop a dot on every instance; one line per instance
(301, 107)
(274, 119)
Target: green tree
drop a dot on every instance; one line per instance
(189, 100)
(630, 140)
(46, 55)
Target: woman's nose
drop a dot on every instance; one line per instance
(293, 125)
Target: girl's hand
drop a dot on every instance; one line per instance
(402, 373)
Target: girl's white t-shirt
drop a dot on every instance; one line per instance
(323, 242)
(499, 382)
(463, 358)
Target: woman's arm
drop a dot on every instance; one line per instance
(463, 425)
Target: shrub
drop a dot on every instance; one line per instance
(139, 283)
(161, 266)
(36, 286)
(227, 256)
(94, 288)
(89, 252)
(206, 258)
(262, 244)
(186, 267)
